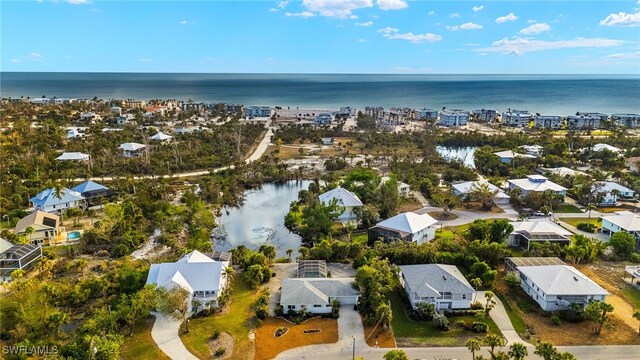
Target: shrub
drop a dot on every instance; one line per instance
(459, 324)
(220, 351)
(479, 327)
(262, 312)
(216, 334)
(297, 320)
(292, 312)
(259, 323)
(441, 322)
(512, 280)
(555, 320)
(587, 227)
(279, 311)
(263, 300)
(476, 305)
(425, 311)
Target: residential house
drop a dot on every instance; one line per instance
(116, 110)
(203, 277)
(507, 156)
(327, 141)
(561, 171)
(91, 190)
(536, 183)
(485, 115)
(323, 119)
(516, 118)
(17, 257)
(90, 117)
(622, 221)
(345, 199)
(49, 201)
(548, 121)
(611, 192)
(441, 285)
(45, 226)
(626, 120)
(632, 163)
(537, 231)
(407, 226)
(317, 294)
(403, 189)
(453, 118)
(533, 150)
(73, 156)
(556, 287)
(346, 111)
(427, 114)
(464, 189)
(602, 147)
(161, 137)
(75, 132)
(584, 121)
(125, 119)
(132, 149)
(257, 111)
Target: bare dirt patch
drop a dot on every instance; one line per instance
(378, 337)
(268, 346)
(224, 341)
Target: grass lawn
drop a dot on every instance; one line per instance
(516, 320)
(445, 233)
(632, 295)
(140, 345)
(268, 346)
(567, 208)
(575, 221)
(423, 333)
(237, 320)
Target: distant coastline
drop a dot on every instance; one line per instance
(551, 94)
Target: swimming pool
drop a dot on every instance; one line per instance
(73, 235)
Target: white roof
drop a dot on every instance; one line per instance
(600, 147)
(529, 185)
(73, 156)
(563, 171)
(508, 154)
(384, 179)
(305, 291)
(430, 280)
(194, 269)
(467, 186)
(626, 220)
(608, 186)
(343, 196)
(4, 245)
(561, 280)
(131, 146)
(408, 222)
(161, 136)
(541, 226)
(531, 147)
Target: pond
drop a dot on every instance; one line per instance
(260, 219)
(461, 153)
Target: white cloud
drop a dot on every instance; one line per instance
(465, 26)
(535, 29)
(621, 19)
(367, 23)
(624, 56)
(520, 46)
(362, 40)
(186, 22)
(34, 56)
(144, 60)
(304, 14)
(394, 34)
(431, 13)
(477, 8)
(77, 2)
(335, 8)
(283, 4)
(504, 19)
(273, 10)
(391, 4)
(454, 15)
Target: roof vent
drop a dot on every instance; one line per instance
(575, 278)
(444, 277)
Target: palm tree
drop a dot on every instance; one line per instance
(589, 208)
(473, 345)
(616, 194)
(518, 351)
(229, 272)
(490, 302)
(289, 252)
(477, 284)
(29, 232)
(636, 315)
(546, 350)
(494, 341)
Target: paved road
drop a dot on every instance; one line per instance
(165, 334)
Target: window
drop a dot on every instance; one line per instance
(317, 306)
(464, 296)
(291, 307)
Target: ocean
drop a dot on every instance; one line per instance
(545, 94)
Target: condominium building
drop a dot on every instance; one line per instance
(428, 114)
(516, 118)
(257, 111)
(548, 121)
(627, 120)
(453, 118)
(485, 115)
(374, 112)
(584, 121)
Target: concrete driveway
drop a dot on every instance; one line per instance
(165, 334)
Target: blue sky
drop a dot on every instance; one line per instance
(322, 36)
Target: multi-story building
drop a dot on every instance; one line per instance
(428, 114)
(548, 121)
(233, 108)
(516, 118)
(192, 106)
(583, 121)
(453, 118)
(347, 111)
(627, 120)
(485, 115)
(134, 104)
(257, 111)
(374, 112)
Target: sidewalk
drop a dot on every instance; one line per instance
(501, 318)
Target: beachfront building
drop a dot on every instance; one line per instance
(233, 108)
(316, 295)
(407, 226)
(403, 189)
(464, 189)
(548, 121)
(192, 106)
(376, 112)
(516, 118)
(485, 115)
(557, 287)
(134, 104)
(345, 199)
(257, 111)
(534, 150)
(203, 277)
(622, 221)
(39, 227)
(346, 111)
(50, 200)
(427, 114)
(132, 149)
(536, 183)
(507, 156)
(584, 121)
(323, 119)
(626, 120)
(611, 192)
(17, 257)
(453, 117)
(444, 286)
(537, 231)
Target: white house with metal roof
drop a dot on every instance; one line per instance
(536, 183)
(345, 199)
(73, 156)
(622, 221)
(161, 137)
(537, 231)
(317, 294)
(556, 287)
(442, 285)
(132, 149)
(403, 188)
(464, 190)
(611, 192)
(49, 200)
(601, 147)
(562, 171)
(195, 272)
(407, 226)
(507, 156)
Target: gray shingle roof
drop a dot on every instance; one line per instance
(430, 280)
(315, 290)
